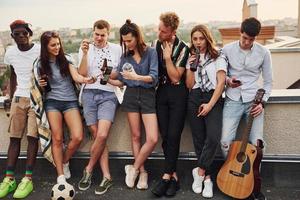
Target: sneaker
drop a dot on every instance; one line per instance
(61, 179)
(198, 180)
(161, 187)
(131, 175)
(66, 169)
(25, 187)
(143, 181)
(85, 181)
(104, 186)
(173, 187)
(208, 189)
(7, 186)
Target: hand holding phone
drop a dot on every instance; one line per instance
(237, 81)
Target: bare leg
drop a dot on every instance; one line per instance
(13, 153)
(135, 129)
(74, 123)
(99, 143)
(32, 150)
(55, 120)
(151, 128)
(104, 163)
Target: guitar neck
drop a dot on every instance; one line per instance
(246, 133)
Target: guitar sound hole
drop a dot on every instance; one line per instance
(241, 157)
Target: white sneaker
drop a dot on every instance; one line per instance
(66, 169)
(61, 179)
(131, 175)
(143, 181)
(208, 189)
(198, 180)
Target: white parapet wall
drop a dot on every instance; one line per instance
(282, 130)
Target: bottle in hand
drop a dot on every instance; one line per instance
(195, 64)
(106, 71)
(44, 76)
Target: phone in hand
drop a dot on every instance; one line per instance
(237, 81)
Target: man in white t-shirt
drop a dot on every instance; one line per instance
(98, 99)
(20, 58)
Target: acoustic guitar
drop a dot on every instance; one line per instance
(236, 178)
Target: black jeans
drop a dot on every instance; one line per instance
(207, 130)
(171, 102)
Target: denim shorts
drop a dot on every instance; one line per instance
(60, 106)
(98, 105)
(138, 99)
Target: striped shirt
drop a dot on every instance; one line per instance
(180, 54)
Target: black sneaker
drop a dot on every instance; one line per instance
(173, 187)
(85, 181)
(104, 186)
(161, 187)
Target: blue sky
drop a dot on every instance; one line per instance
(53, 14)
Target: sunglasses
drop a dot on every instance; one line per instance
(19, 33)
(51, 34)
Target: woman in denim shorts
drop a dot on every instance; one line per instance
(57, 76)
(138, 70)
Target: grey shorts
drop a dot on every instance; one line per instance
(98, 105)
(138, 99)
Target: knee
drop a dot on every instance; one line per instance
(77, 139)
(15, 141)
(101, 138)
(225, 148)
(153, 140)
(136, 137)
(56, 141)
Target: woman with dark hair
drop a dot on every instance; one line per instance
(57, 73)
(139, 72)
(206, 74)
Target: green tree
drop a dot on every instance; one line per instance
(4, 77)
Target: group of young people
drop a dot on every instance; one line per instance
(164, 84)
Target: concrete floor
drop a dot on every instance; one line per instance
(281, 181)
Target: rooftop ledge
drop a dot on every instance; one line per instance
(285, 96)
(277, 96)
(284, 49)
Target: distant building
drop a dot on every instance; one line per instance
(233, 34)
(249, 9)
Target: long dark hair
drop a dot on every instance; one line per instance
(61, 59)
(132, 28)
(211, 46)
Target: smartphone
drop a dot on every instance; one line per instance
(237, 81)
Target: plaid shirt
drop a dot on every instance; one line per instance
(203, 80)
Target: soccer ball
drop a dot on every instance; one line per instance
(62, 191)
